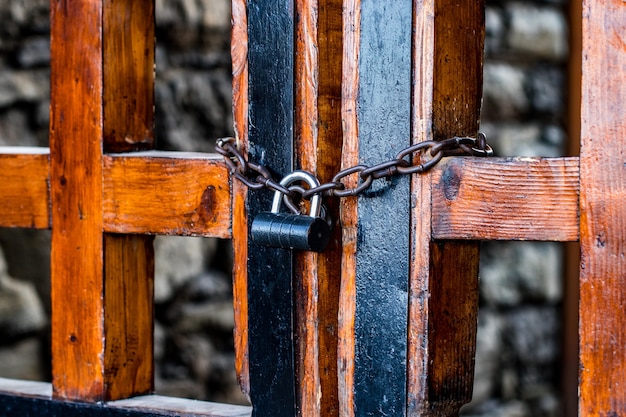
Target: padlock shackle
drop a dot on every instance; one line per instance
(316, 202)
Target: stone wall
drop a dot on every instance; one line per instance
(519, 323)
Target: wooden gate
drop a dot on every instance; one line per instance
(384, 321)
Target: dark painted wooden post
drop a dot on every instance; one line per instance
(270, 142)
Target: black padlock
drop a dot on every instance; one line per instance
(292, 231)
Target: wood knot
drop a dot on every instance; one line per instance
(206, 211)
(451, 181)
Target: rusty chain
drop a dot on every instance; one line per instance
(418, 158)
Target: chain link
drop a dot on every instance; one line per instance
(417, 158)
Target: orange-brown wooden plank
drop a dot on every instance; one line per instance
(602, 371)
(128, 109)
(128, 76)
(168, 193)
(89, 39)
(507, 199)
(318, 139)
(239, 56)
(443, 298)
(128, 314)
(76, 176)
(24, 187)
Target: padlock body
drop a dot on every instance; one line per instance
(290, 231)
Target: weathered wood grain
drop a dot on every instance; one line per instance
(167, 193)
(306, 282)
(76, 191)
(602, 331)
(128, 62)
(128, 314)
(447, 87)
(239, 56)
(329, 142)
(506, 199)
(128, 116)
(24, 187)
(348, 208)
(89, 75)
(317, 134)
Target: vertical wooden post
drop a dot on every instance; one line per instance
(318, 140)
(602, 378)
(101, 100)
(448, 54)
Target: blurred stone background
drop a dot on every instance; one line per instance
(517, 370)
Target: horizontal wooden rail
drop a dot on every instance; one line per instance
(167, 193)
(35, 398)
(151, 192)
(506, 199)
(24, 187)
(182, 193)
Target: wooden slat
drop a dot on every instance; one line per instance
(24, 187)
(506, 199)
(167, 193)
(602, 370)
(306, 283)
(95, 46)
(128, 75)
(348, 209)
(76, 176)
(443, 291)
(318, 138)
(239, 56)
